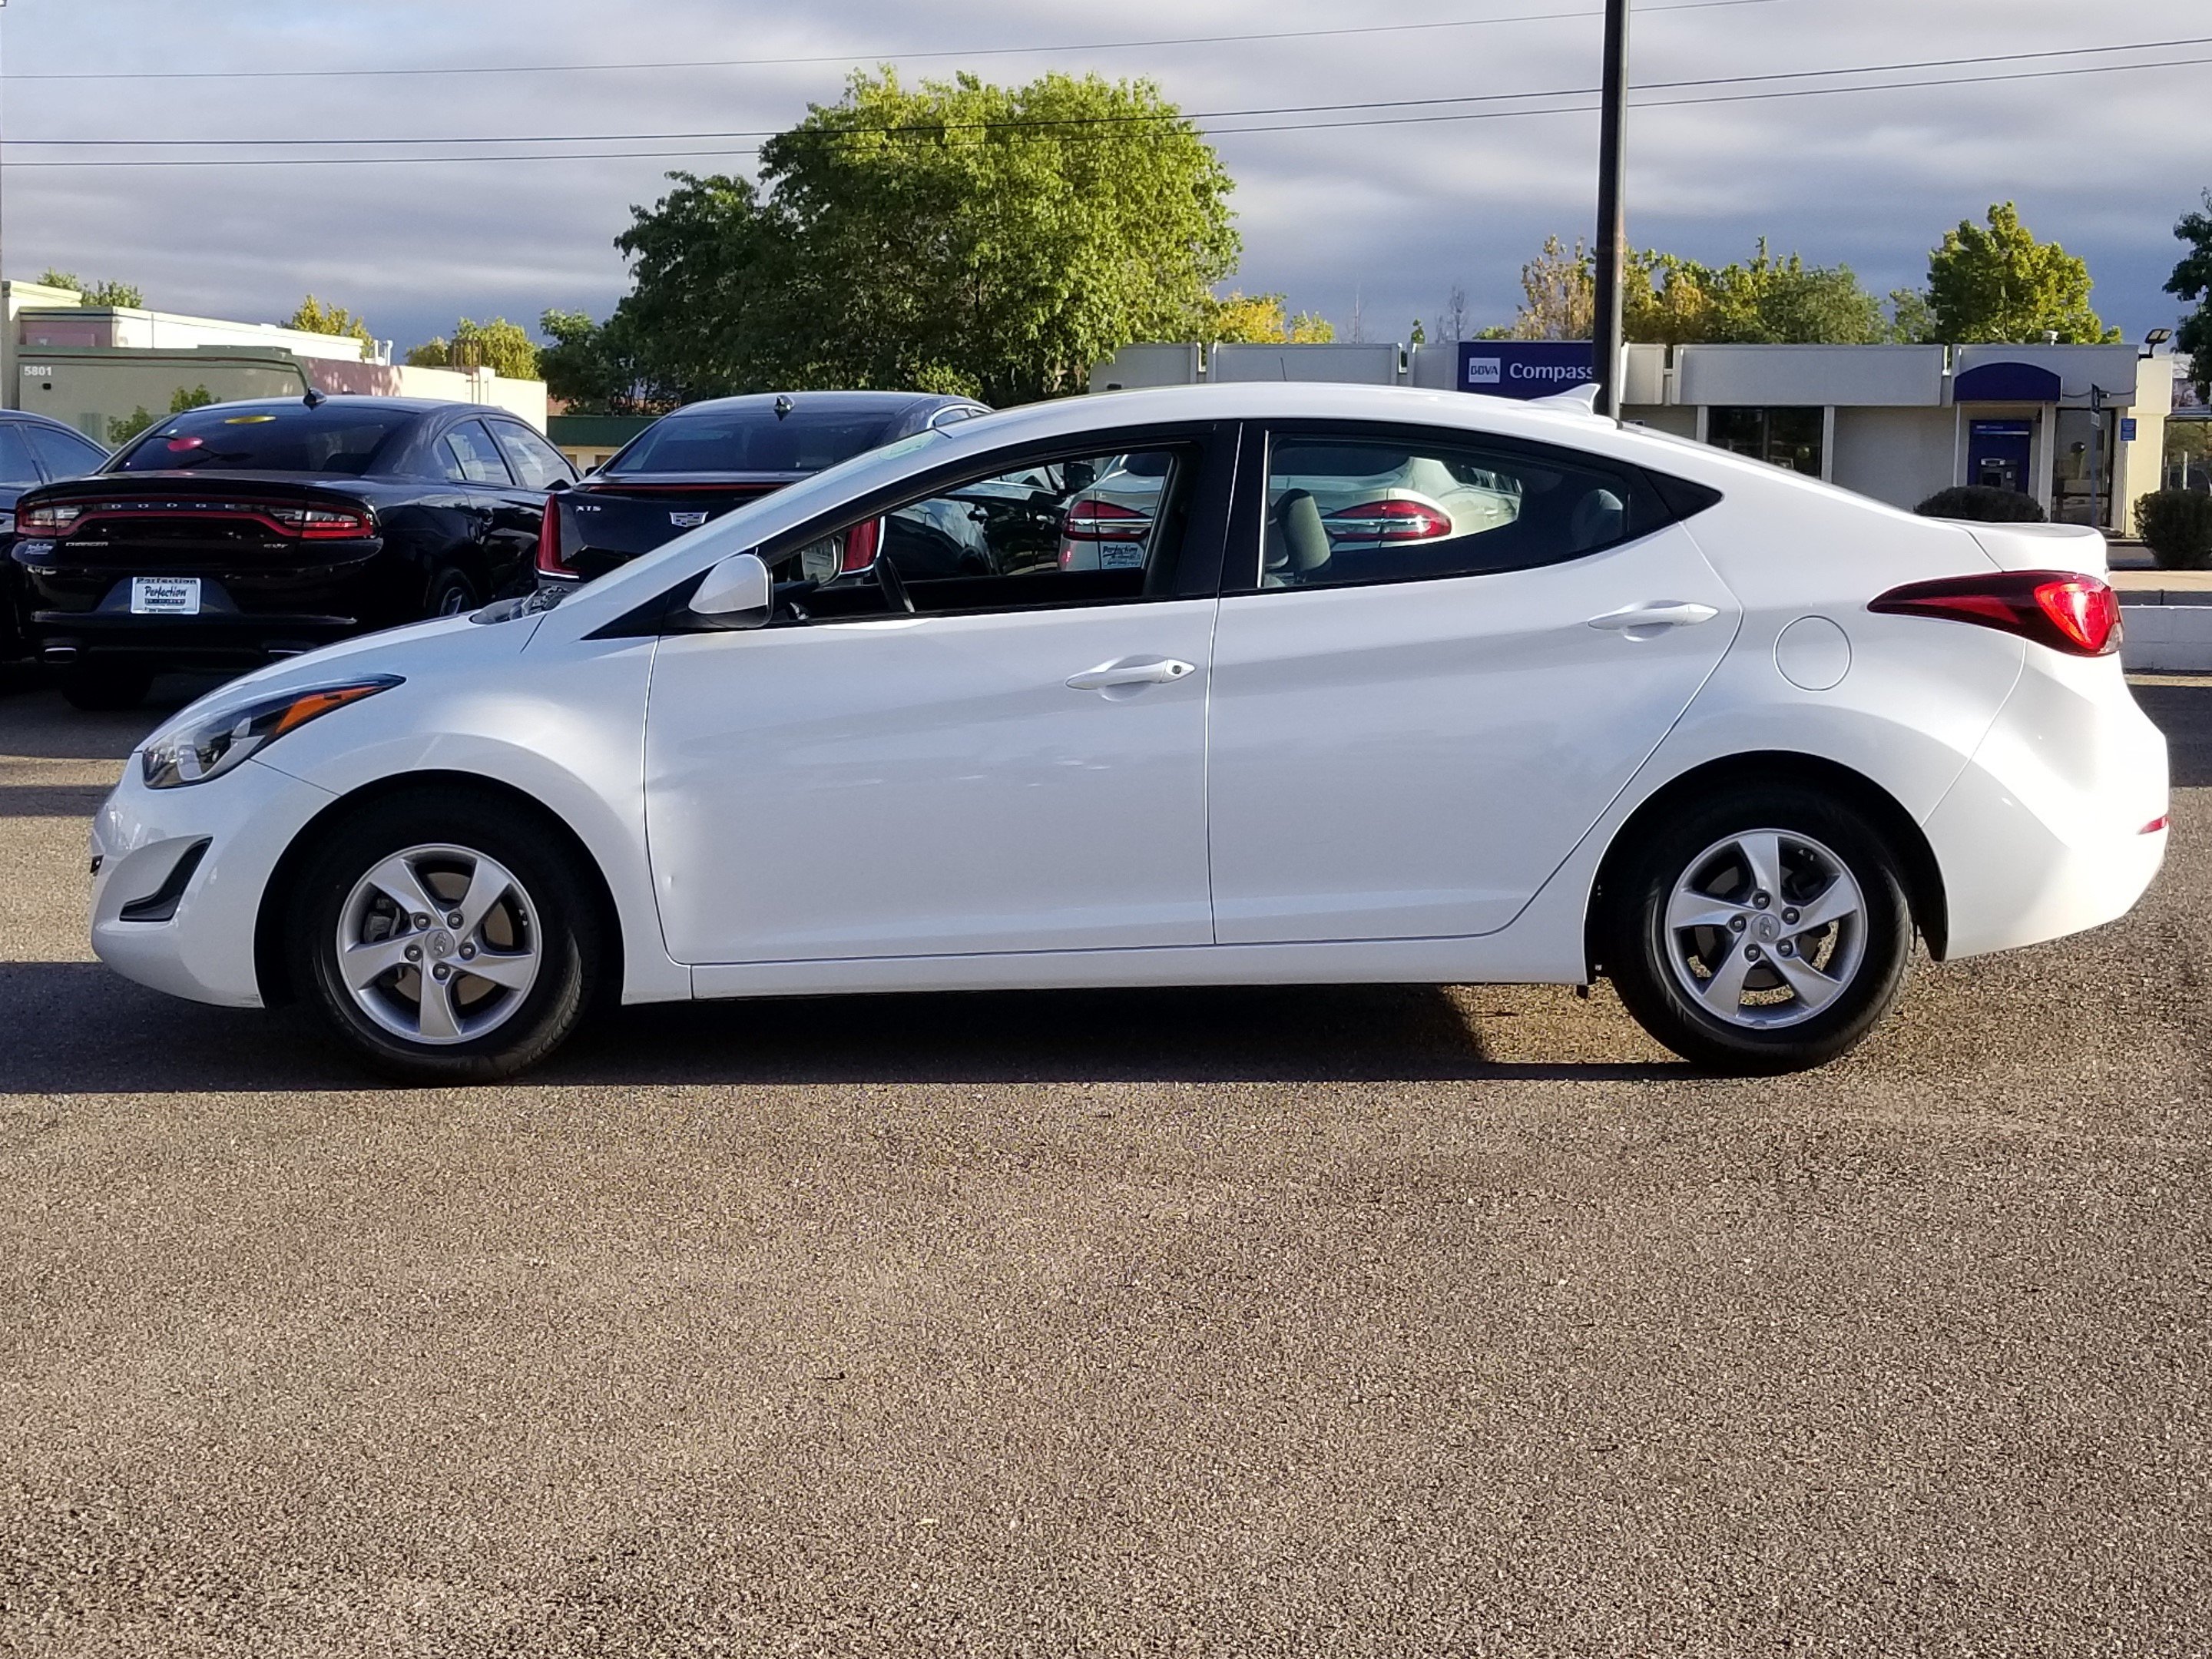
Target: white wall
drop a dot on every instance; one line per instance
(1901, 456)
(1809, 377)
(1359, 365)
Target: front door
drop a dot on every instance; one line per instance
(1018, 765)
(1452, 658)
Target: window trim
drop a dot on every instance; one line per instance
(477, 422)
(1648, 510)
(1198, 568)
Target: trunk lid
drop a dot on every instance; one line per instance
(191, 520)
(2043, 547)
(609, 521)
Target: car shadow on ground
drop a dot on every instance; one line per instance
(86, 1031)
(2183, 710)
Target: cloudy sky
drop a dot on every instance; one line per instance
(1387, 217)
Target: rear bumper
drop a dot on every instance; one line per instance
(204, 948)
(2044, 834)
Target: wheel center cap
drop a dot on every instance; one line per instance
(442, 944)
(1768, 927)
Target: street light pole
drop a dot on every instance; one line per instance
(1611, 217)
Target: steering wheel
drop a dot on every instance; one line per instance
(893, 585)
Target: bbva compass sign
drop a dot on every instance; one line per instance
(1524, 368)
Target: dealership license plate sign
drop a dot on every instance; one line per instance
(165, 596)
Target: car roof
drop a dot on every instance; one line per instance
(32, 417)
(828, 402)
(348, 400)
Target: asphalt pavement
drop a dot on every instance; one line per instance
(1315, 1322)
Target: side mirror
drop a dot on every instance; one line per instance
(736, 593)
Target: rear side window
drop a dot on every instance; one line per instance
(63, 453)
(537, 464)
(751, 441)
(334, 437)
(469, 456)
(1346, 509)
(16, 466)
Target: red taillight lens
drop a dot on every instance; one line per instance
(47, 518)
(2065, 610)
(549, 563)
(1387, 521)
(321, 523)
(1092, 520)
(2154, 825)
(860, 543)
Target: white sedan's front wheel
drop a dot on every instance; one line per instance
(446, 941)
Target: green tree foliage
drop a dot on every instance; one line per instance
(121, 428)
(314, 317)
(504, 348)
(957, 237)
(2192, 280)
(125, 295)
(1671, 300)
(2001, 284)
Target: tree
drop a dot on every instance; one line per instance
(122, 294)
(1451, 321)
(959, 237)
(1257, 318)
(121, 428)
(314, 317)
(2001, 284)
(592, 368)
(2192, 280)
(1668, 300)
(504, 348)
(1559, 298)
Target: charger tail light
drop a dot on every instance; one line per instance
(1092, 520)
(321, 523)
(48, 518)
(1396, 520)
(549, 563)
(861, 541)
(2066, 609)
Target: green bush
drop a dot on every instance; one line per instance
(2176, 525)
(1982, 504)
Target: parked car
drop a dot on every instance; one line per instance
(701, 461)
(33, 450)
(230, 534)
(1716, 731)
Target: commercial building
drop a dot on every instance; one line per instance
(2079, 428)
(104, 369)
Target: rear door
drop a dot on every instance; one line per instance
(1448, 655)
(505, 516)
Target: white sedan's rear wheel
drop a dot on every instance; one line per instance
(447, 941)
(1766, 930)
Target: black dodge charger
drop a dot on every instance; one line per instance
(230, 534)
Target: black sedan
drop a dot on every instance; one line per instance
(230, 534)
(33, 450)
(705, 459)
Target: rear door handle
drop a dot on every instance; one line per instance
(1130, 670)
(1642, 621)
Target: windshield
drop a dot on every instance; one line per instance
(343, 439)
(752, 441)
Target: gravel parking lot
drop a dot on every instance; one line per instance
(1335, 1321)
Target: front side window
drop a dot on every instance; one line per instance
(471, 457)
(537, 464)
(1349, 510)
(16, 466)
(1072, 530)
(64, 454)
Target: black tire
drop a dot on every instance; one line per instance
(453, 594)
(557, 913)
(1640, 953)
(102, 688)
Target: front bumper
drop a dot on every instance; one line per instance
(204, 949)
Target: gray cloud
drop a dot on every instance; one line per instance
(1393, 214)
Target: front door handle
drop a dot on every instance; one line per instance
(1130, 670)
(1654, 617)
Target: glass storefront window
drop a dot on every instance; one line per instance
(1781, 437)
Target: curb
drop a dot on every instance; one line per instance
(2166, 629)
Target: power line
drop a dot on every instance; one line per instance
(855, 57)
(1220, 133)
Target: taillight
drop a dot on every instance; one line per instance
(47, 518)
(2065, 610)
(1093, 520)
(549, 563)
(321, 523)
(2156, 826)
(861, 541)
(1387, 521)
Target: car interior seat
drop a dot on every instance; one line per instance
(1598, 518)
(1296, 548)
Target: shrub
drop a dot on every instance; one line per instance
(1982, 504)
(2176, 525)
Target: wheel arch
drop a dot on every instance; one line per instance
(271, 969)
(1922, 876)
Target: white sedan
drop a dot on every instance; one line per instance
(1722, 734)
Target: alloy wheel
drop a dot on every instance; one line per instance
(1764, 928)
(439, 944)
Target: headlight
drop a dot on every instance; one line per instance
(204, 745)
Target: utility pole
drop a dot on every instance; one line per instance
(1612, 215)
